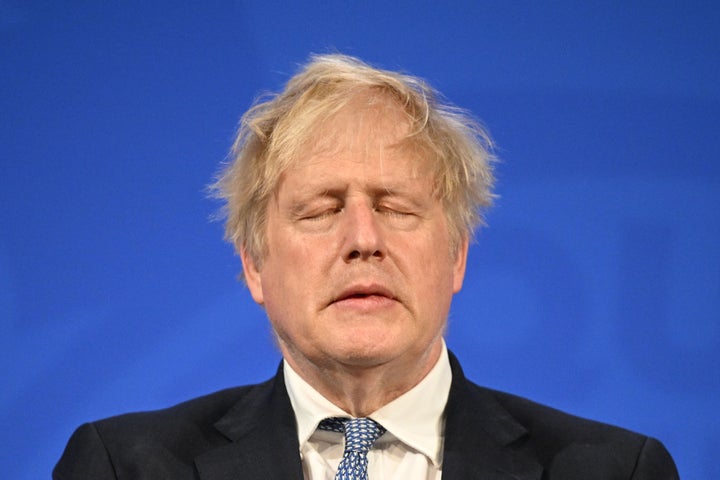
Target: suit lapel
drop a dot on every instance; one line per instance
(263, 435)
(482, 440)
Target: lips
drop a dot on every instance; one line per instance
(364, 292)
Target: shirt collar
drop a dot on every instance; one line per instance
(415, 418)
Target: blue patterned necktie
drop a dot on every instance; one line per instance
(360, 434)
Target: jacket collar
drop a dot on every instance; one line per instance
(261, 428)
(482, 440)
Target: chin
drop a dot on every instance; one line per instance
(370, 355)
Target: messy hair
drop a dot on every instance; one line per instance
(275, 130)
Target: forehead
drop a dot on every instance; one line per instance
(372, 129)
(374, 118)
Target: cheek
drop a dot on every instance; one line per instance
(436, 271)
(430, 253)
(289, 277)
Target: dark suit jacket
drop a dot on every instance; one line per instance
(249, 433)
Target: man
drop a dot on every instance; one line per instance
(351, 198)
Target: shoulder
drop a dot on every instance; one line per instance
(162, 441)
(557, 424)
(514, 416)
(570, 446)
(192, 418)
(198, 414)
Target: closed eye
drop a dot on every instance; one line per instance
(394, 208)
(391, 212)
(322, 214)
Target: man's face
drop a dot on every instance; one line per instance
(359, 269)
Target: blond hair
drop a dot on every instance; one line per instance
(273, 132)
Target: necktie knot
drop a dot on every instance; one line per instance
(360, 435)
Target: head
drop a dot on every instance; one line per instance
(351, 197)
(274, 131)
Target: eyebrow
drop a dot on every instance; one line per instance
(300, 200)
(395, 188)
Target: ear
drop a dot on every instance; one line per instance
(460, 263)
(253, 278)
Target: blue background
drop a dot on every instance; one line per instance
(596, 287)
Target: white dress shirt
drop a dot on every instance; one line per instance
(410, 449)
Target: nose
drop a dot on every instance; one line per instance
(363, 233)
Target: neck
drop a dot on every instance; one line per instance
(361, 390)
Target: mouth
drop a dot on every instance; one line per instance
(360, 294)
